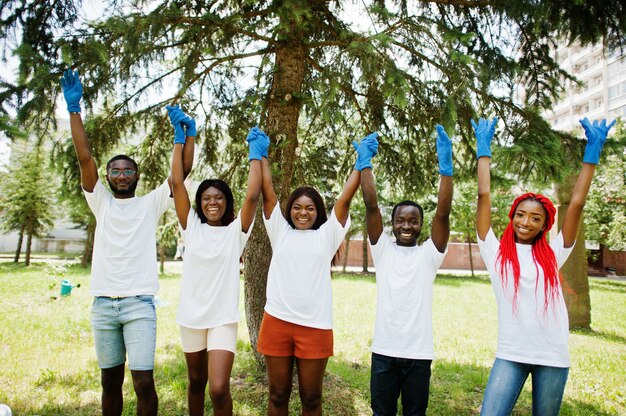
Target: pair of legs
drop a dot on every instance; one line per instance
(284, 344)
(209, 354)
(393, 377)
(124, 326)
(507, 379)
(310, 382)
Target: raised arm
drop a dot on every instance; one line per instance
(441, 222)
(259, 144)
(484, 132)
(258, 150)
(73, 92)
(183, 151)
(596, 136)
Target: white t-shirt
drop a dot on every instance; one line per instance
(404, 281)
(530, 334)
(124, 250)
(209, 289)
(298, 281)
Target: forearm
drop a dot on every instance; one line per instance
(178, 176)
(267, 188)
(483, 208)
(188, 155)
(79, 139)
(368, 189)
(571, 222)
(342, 206)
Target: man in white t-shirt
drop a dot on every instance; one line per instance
(402, 347)
(124, 276)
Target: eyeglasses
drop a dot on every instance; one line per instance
(114, 173)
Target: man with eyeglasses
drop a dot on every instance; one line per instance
(124, 277)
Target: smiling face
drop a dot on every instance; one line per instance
(528, 221)
(122, 182)
(303, 213)
(213, 203)
(407, 224)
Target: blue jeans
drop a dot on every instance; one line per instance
(122, 325)
(507, 379)
(392, 377)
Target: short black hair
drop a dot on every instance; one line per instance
(229, 213)
(122, 157)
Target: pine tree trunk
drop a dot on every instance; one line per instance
(281, 124)
(29, 241)
(345, 253)
(88, 251)
(574, 271)
(18, 249)
(365, 256)
(471, 258)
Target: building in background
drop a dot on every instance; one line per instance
(603, 94)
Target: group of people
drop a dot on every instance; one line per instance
(296, 329)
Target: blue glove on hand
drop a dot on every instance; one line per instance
(444, 151)
(72, 90)
(366, 150)
(258, 142)
(190, 125)
(176, 116)
(484, 132)
(596, 136)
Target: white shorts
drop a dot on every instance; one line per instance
(219, 338)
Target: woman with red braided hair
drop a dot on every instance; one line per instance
(533, 326)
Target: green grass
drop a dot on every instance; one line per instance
(48, 367)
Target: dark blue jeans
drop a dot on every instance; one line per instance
(392, 377)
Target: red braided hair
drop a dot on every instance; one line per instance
(543, 255)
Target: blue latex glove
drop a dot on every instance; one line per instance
(258, 142)
(444, 151)
(176, 115)
(190, 125)
(366, 150)
(596, 136)
(72, 90)
(484, 132)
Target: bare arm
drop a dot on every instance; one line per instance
(188, 155)
(441, 222)
(373, 218)
(269, 196)
(88, 169)
(571, 222)
(255, 182)
(483, 208)
(177, 184)
(342, 206)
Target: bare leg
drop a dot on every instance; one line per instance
(220, 367)
(112, 380)
(280, 375)
(198, 375)
(147, 400)
(310, 383)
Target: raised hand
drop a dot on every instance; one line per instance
(484, 131)
(176, 116)
(258, 142)
(72, 90)
(366, 150)
(596, 133)
(444, 151)
(190, 125)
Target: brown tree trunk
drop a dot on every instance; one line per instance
(281, 124)
(88, 251)
(18, 249)
(345, 252)
(366, 259)
(574, 271)
(29, 242)
(471, 258)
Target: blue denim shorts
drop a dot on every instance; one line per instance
(124, 325)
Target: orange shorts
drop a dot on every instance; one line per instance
(278, 338)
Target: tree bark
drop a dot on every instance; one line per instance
(281, 124)
(345, 253)
(18, 249)
(88, 251)
(365, 254)
(574, 271)
(471, 258)
(29, 241)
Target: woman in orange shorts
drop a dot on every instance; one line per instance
(297, 324)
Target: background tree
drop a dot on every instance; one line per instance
(27, 203)
(309, 72)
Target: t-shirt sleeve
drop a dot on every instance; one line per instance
(96, 198)
(488, 248)
(560, 252)
(160, 199)
(243, 237)
(334, 231)
(193, 222)
(275, 224)
(379, 248)
(434, 255)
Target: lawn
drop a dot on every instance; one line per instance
(48, 367)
